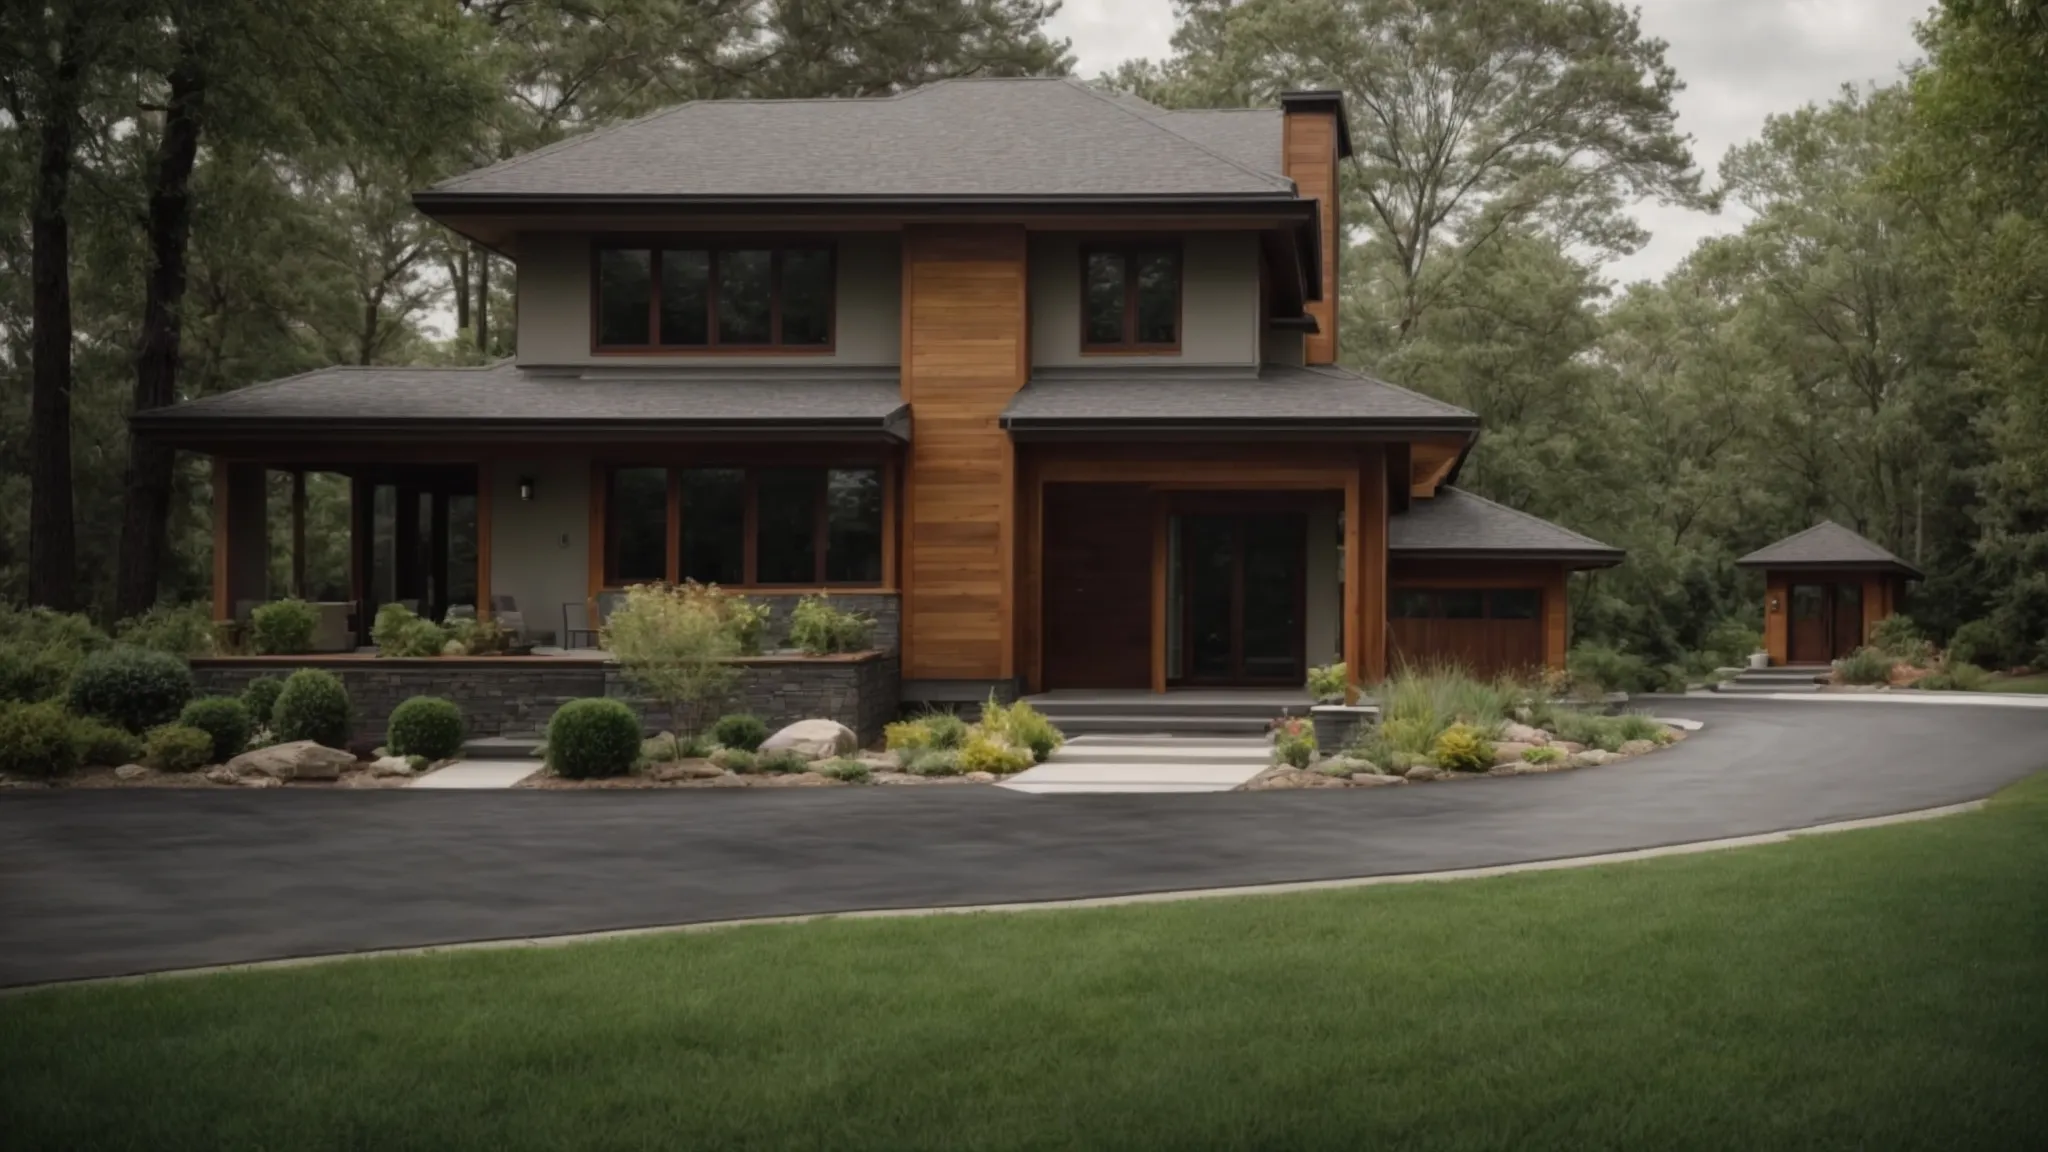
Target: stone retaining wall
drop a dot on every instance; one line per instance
(515, 696)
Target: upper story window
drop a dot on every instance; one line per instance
(727, 296)
(1130, 298)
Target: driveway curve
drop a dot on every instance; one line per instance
(106, 883)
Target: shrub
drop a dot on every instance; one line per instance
(314, 706)
(1463, 748)
(283, 627)
(1728, 644)
(102, 744)
(593, 737)
(742, 730)
(29, 673)
(989, 753)
(477, 637)
(180, 631)
(694, 747)
(225, 719)
(949, 732)
(1329, 683)
(1599, 669)
(907, 735)
(259, 696)
(781, 762)
(735, 760)
(933, 762)
(399, 632)
(427, 726)
(1295, 751)
(675, 642)
(179, 748)
(749, 620)
(849, 771)
(1955, 677)
(1980, 642)
(818, 628)
(1021, 726)
(36, 740)
(134, 687)
(1864, 666)
(1899, 638)
(1593, 731)
(1543, 754)
(1636, 726)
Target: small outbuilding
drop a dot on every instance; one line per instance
(1824, 589)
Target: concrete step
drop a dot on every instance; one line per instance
(1170, 705)
(1155, 724)
(1780, 675)
(502, 748)
(1753, 688)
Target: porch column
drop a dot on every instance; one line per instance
(1365, 568)
(1777, 610)
(299, 533)
(483, 540)
(241, 536)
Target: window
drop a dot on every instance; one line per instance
(725, 296)
(1463, 604)
(746, 526)
(1514, 604)
(1130, 298)
(1410, 604)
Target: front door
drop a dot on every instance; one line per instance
(1848, 618)
(1098, 586)
(1809, 629)
(1243, 593)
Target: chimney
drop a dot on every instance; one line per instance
(1314, 137)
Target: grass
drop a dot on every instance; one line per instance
(2001, 682)
(1883, 988)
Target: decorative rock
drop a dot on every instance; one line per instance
(391, 766)
(1374, 780)
(299, 760)
(814, 740)
(1523, 734)
(699, 770)
(1568, 747)
(1277, 778)
(222, 774)
(982, 777)
(1510, 752)
(1505, 770)
(130, 772)
(1592, 758)
(1347, 766)
(1422, 772)
(1638, 747)
(259, 781)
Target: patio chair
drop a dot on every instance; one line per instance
(577, 631)
(335, 631)
(505, 610)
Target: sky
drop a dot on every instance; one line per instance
(1741, 60)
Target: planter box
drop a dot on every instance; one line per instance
(1336, 724)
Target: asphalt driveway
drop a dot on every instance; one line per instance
(101, 883)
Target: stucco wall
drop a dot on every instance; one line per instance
(1325, 639)
(540, 548)
(554, 305)
(1219, 302)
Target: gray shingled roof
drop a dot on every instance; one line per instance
(996, 138)
(342, 401)
(1826, 545)
(1456, 524)
(1221, 399)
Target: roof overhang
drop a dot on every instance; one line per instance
(1570, 558)
(1893, 567)
(204, 433)
(1234, 428)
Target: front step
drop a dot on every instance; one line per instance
(1739, 688)
(502, 748)
(1760, 680)
(1158, 724)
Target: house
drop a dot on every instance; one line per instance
(1824, 589)
(1043, 376)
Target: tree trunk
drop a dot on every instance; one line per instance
(458, 275)
(145, 525)
(52, 537)
(483, 302)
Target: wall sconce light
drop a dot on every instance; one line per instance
(526, 488)
(1774, 604)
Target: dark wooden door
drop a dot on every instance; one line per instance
(1848, 618)
(1809, 643)
(1098, 586)
(1245, 598)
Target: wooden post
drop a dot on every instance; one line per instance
(1161, 557)
(672, 567)
(299, 533)
(483, 541)
(223, 608)
(1372, 566)
(362, 527)
(1354, 579)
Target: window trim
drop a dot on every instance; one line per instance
(602, 528)
(778, 246)
(1129, 250)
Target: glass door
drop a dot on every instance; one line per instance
(1242, 593)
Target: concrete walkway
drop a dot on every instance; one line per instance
(479, 774)
(1147, 764)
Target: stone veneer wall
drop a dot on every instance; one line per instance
(515, 696)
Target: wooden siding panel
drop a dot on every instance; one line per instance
(1309, 147)
(964, 357)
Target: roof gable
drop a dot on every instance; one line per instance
(987, 138)
(1455, 523)
(1826, 545)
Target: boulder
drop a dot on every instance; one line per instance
(299, 760)
(1523, 734)
(814, 740)
(1638, 747)
(259, 781)
(1374, 780)
(1510, 752)
(1568, 747)
(1347, 766)
(1278, 778)
(1592, 758)
(130, 772)
(222, 774)
(1423, 772)
(390, 766)
(982, 777)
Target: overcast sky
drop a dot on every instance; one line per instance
(1740, 60)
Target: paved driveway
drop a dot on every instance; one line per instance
(97, 883)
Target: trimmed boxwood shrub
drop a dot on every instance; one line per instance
(425, 726)
(593, 737)
(259, 696)
(29, 674)
(179, 748)
(224, 718)
(312, 706)
(283, 627)
(741, 730)
(133, 687)
(103, 745)
(36, 740)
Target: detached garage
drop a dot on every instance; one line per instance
(1480, 585)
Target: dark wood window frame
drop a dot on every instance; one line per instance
(1130, 250)
(1434, 594)
(655, 246)
(750, 545)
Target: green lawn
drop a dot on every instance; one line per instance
(2038, 682)
(1878, 989)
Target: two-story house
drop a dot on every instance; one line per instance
(1044, 375)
